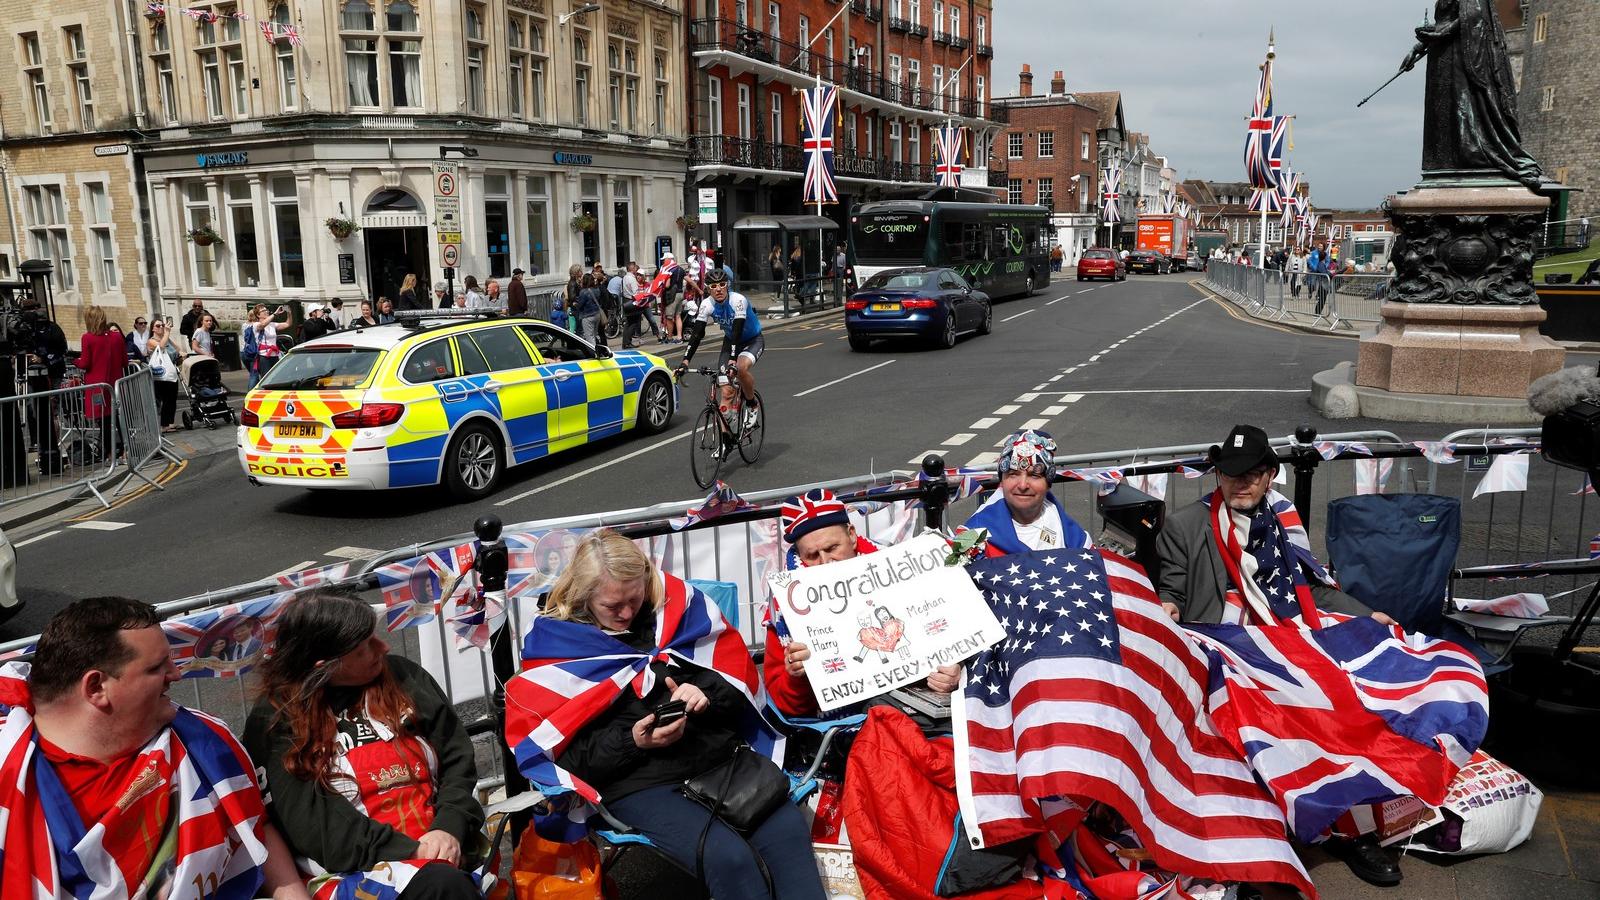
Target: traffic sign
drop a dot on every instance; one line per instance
(447, 200)
(450, 254)
(449, 237)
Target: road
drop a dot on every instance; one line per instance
(1142, 363)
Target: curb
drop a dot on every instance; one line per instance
(1286, 323)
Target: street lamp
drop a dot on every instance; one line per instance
(585, 9)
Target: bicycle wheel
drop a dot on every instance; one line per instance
(704, 443)
(754, 433)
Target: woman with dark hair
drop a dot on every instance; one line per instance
(365, 760)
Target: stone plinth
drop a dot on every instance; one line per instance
(1447, 348)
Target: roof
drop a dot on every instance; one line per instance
(1106, 102)
(785, 223)
(384, 337)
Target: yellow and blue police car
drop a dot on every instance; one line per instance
(446, 400)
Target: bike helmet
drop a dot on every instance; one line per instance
(716, 276)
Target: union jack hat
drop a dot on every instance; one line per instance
(816, 508)
(1028, 450)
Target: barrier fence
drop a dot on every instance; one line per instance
(1551, 518)
(78, 438)
(1333, 302)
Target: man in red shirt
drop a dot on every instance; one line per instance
(818, 527)
(161, 798)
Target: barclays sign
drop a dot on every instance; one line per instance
(573, 159)
(222, 160)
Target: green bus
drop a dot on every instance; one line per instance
(1000, 249)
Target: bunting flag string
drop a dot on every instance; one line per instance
(272, 31)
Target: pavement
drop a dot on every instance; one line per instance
(1148, 362)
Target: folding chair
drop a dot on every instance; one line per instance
(1506, 632)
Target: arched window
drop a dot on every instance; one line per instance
(392, 200)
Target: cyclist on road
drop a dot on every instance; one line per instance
(742, 341)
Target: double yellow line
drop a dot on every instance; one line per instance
(173, 470)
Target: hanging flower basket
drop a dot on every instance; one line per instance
(204, 236)
(688, 223)
(341, 228)
(583, 222)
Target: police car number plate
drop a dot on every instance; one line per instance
(298, 430)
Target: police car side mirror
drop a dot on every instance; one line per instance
(601, 351)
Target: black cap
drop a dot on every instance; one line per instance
(516, 272)
(1245, 448)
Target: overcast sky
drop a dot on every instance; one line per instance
(1187, 73)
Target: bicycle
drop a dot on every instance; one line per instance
(721, 427)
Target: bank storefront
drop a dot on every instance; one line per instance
(238, 222)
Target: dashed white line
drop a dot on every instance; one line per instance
(1096, 357)
(1034, 423)
(352, 553)
(1007, 410)
(1053, 411)
(35, 539)
(1018, 315)
(917, 460)
(843, 378)
(305, 564)
(596, 468)
(1028, 398)
(983, 459)
(1055, 301)
(100, 525)
(1070, 370)
(984, 423)
(1054, 378)
(956, 440)
(1086, 290)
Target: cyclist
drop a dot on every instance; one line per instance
(742, 342)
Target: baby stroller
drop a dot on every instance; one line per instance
(208, 399)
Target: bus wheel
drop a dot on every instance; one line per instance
(1029, 288)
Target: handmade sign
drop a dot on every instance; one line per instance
(883, 620)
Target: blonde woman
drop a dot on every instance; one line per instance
(408, 294)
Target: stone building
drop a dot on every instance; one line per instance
(1047, 155)
(1558, 98)
(901, 66)
(67, 176)
(261, 121)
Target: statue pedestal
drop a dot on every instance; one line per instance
(1465, 343)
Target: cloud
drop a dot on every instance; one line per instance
(1187, 70)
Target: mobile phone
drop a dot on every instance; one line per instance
(667, 713)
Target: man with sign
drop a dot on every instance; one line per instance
(868, 624)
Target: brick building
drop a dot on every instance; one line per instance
(1047, 155)
(902, 67)
(1225, 206)
(1558, 98)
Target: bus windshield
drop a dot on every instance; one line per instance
(891, 238)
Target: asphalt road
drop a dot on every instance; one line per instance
(1142, 363)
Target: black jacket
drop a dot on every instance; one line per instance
(327, 828)
(409, 300)
(603, 752)
(312, 329)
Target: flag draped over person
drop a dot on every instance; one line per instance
(948, 143)
(820, 109)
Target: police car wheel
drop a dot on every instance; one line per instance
(655, 406)
(474, 462)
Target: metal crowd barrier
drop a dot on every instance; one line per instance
(64, 448)
(1332, 302)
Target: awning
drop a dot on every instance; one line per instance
(785, 223)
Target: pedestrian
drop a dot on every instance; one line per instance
(101, 356)
(138, 339)
(385, 311)
(1321, 267)
(636, 303)
(839, 261)
(163, 354)
(191, 319)
(366, 319)
(1056, 257)
(336, 314)
(693, 293)
(1296, 267)
(491, 294)
(516, 295)
(441, 295)
(574, 285)
(408, 294)
(614, 289)
(200, 341)
(315, 325)
(586, 308)
(263, 336)
(559, 312)
(775, 265)
(471, 297)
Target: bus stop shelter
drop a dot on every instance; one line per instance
(755, 236)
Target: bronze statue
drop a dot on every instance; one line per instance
(1469, 127)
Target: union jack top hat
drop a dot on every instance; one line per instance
(816, 508)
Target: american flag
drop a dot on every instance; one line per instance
(572, 672)
(948, 142)
(195, 772)
(1111, 197)
(224, 642)
(1258, 134)
(820, 107)
(1096, 695)
(1278, 542)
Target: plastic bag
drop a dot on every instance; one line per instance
(1489, 808)
(546, 870)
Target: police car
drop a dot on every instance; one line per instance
(442, 399)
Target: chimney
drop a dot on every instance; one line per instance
(1026, 78)
(1058, 83)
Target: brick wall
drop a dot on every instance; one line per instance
(1068, 122)
(1563, 136)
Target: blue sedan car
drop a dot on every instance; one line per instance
(928, 302)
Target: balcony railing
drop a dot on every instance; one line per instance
(898, 24)
(720, 150)
(874, 12)
(940, 36)
(986, 50)
(958, 42)
(918, 30)
(729, 36)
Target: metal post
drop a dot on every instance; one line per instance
(935, 491)
(492, 563)
(1305, 458)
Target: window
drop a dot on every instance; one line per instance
(33, 61)
(477, 49)
(78, 68)
(1084, 141)
(713, 108)
(938, 23)
(166, 84)
(97, 215)
(1548, 101)
(1047, 144)
(382, 52)
(1014, 190)
(744, 111)
(1014, 145)
(914, 79)
(630, 92)
(914, 11)
(621, 221)
(773, 19)
(283, 54)
(198, 214)
(938, 88)
(580, 76)
(776, 134)
(895, 153)
(589, 188)
(1047, 193)
(538, 224)
(955, 21)
(1541, 28)
(914, 142)
(894, 68)
(661, 93)
(805, 35)
(502, 349)
(982, 97)
(286, 233)
(516, 66)
(429, 362)
(497, 224)
(741, 11)
(242, 233)
(983, 31)
(622, 59)
(47, 231)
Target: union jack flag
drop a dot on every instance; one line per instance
(834, 664)
(820, 107)
(720, 502)
(1289, 196)
(414, 588)
(1111, 196)
(1267, 199)
(948, 142)
(225, 642)
(1258, 166)
(1594, 547)
(313, 577)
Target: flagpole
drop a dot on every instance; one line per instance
(1261, 256)
(822, 251)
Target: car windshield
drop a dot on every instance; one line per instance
(317, 369)
(897, 280)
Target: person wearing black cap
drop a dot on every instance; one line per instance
(516, 295)
(1242, 556)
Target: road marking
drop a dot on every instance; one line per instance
(352, 553)
(101, 526)
(1042, 387)
(1096, 357)
(956, 440)
(1031, 424)
(294, 568)
(844, 378)
(1006, 410)
(170, 472)
(983, 423)
(605, 465)
(1052, 410)
(1028, 398)
(36, 538)
(1086, 290)
(1017, 316)
(806, 347)
(1057, 300)
(983, 459)
(1054, 378)
(1070, 370)
(1073, 398)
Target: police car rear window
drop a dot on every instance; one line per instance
(316, 368)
